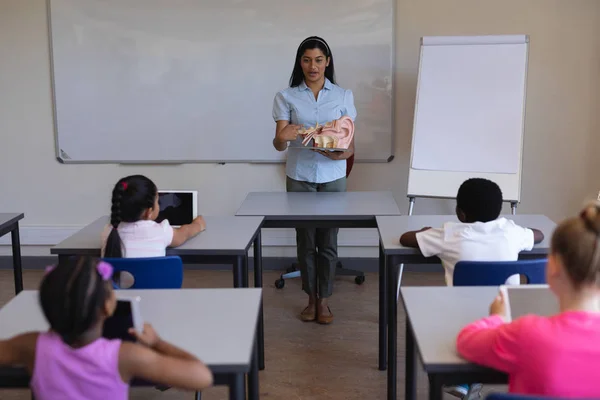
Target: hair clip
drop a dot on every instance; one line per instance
(105, 270)
(124, 184)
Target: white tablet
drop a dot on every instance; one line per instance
(127, 315)
(179, 207)
(529, 299)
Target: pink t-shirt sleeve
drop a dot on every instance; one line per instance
(167, 231)
(431, 242)
(491, 342)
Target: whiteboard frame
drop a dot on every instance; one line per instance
(452, 178)
(63, 158)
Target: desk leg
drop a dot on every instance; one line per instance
(236, 387)
(238, 267)
(392, 324)
(258, 284)
(253, 388)
(435, 388)
(410, 384)
(382, 309)
(245, 273)
(16, 254)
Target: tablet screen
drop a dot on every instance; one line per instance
(176, 207)
(530, 299)
(117, 326)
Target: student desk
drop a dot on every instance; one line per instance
(328, 210)
(226, 240)
(10, 223)
(434, 317)
(227, 344)
(390, 230)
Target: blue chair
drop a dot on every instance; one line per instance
(486, 273)
(151, 272)
(509, 396)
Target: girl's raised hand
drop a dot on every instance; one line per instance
(148, 337)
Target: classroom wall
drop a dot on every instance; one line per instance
(561, 140)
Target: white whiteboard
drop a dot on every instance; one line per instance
(469, 114)
(194, 80)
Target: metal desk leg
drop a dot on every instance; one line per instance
(238, 267)
(236, 387)
(16, 254)
(410, 384)
(392, 323)
(435, 388)
(253, 388)
(382, 309)
(258, 284)
(245, 272)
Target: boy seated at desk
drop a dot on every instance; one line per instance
(479, 236)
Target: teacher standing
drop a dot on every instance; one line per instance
(313, 97)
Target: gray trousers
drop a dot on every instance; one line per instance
(317, 247)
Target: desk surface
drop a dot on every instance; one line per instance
(7, 219)
(392, 227)
(437, 314)
(215, 325)
(311, 205)
(223, 236)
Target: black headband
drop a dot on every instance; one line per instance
(317, 40)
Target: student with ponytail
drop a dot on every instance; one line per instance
(550, 356)
(133, 231)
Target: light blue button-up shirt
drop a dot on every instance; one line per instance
(298, 106)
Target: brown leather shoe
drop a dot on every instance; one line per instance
(325, 319)
(308, 314)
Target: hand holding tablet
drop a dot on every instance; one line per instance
(147, 336)
(127, 316)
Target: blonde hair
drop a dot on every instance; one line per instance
(576, 242)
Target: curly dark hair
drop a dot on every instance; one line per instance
(479, 199)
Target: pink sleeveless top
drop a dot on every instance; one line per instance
(90, 372)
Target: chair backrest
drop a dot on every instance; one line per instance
(349, 164)
(510, 396)
(152, 272)
(486, 273)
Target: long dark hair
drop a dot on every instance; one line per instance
(72, 295)
(312, 42)
(131, 196)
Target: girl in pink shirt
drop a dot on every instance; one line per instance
(558, 355)
(73, 361)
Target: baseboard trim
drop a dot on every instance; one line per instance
(269, 264)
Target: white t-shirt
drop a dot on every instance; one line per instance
(498, 240)
(143, 238)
